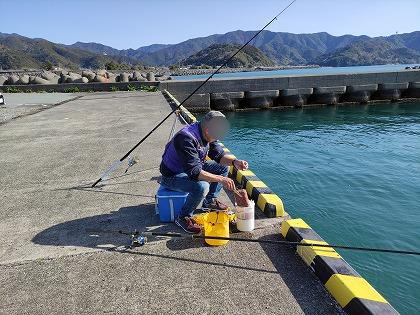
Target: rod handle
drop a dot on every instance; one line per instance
(95, 183)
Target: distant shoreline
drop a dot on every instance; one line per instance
(181, 72)
(298, 70)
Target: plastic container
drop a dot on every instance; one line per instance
(245, 221)
(169, 203)
(215, 223)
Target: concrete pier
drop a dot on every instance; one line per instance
(60, 252)
(297, 91)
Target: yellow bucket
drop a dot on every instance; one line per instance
(215, 223)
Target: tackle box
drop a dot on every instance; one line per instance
(169, 203)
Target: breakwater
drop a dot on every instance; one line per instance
(25, 80)
(296, 90)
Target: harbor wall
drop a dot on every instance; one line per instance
(295, 91)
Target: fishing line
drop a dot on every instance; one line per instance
(173, 127)
(191, 94)
(139, 239)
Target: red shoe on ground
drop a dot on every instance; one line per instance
(188, 225)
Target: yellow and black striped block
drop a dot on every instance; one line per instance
(243, 176)
(354, 294)
(271, 205)
(256, 187)
(264, 197)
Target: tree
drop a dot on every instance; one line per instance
(48, 65)
(112, 66)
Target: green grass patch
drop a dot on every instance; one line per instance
(72, 90)
(13, 89)
(131, 88)
(149, 88)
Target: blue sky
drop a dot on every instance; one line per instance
(135, 23)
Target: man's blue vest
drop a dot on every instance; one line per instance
(170, 157)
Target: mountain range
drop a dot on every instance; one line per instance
(216, 54)
(17, 51)
(397, 49)
(282, 48)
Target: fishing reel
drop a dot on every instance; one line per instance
(131, 162)
(137, 239)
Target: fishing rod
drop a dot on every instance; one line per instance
(117, 163)
(140, 239)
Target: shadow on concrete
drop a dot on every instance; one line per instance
(303, 284)
(101, 231)
(197, 261)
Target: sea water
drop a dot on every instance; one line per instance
(353, 174)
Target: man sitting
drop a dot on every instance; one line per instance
(184, 167)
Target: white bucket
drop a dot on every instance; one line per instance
(245, 217)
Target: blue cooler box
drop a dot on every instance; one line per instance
(169, 203)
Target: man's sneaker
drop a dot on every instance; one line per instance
(188, 225)
(201, 211)
(214, 205)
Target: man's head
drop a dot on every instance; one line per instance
(214, 126)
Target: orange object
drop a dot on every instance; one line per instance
(241, 198)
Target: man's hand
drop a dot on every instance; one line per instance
(241, 164)
(228, 183)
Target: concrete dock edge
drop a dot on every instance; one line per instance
(352, 292)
